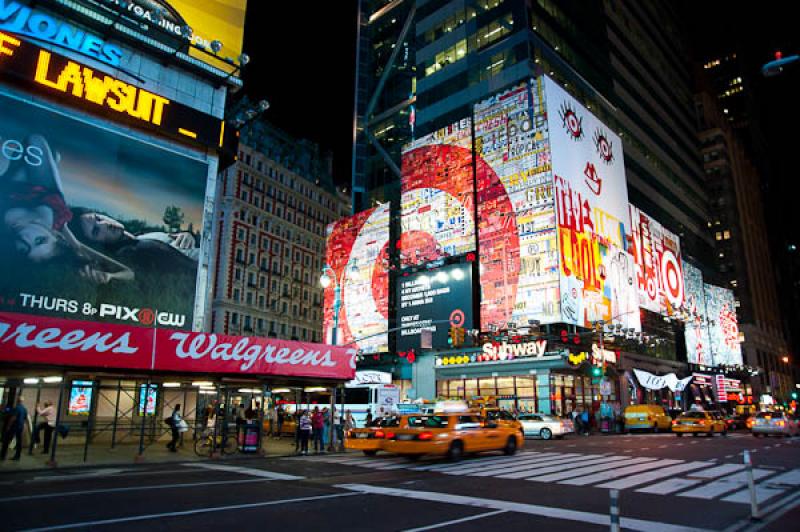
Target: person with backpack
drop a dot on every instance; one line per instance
(174, 422)
(304, 431)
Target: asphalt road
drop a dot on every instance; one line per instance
(666, 483)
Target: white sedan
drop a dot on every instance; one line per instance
(545, 426)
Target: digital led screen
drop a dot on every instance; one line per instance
(96, 225)
(437, 205)
(434, 300)
(80, 398)
(695, 331)
(358, 260)
(659, 274)
(516, 214)
(723, 327)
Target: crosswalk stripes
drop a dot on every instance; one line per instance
(705, 480)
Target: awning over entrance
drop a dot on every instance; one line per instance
(72, 343)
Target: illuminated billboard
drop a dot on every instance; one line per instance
(695, 331)
(516, 214)
(434, 300)
(80, 398)
(723, 327)
(358, 260)
(591, 199)
(202, 23)
(437, 205)
(657, 252)
(95, 225)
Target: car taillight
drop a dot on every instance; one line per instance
(389, 435)
(702, 422)
(781, 423)
(424, 436)
(379, 434)
(674, 421)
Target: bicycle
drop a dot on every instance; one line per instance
(226, 444)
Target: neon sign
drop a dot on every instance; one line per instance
(24, 20)
(56, 76)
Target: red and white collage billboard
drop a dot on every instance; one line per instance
(438, 200)
(358, 258)
(659, 274)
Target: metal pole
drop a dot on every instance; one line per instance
(751, 485)
(35, 416)
(116, 415)
(331, 425)
(341, 416)
(89, 424)
(614, 510)
(61, 393)
(337, 302)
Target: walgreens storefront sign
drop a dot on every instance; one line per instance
(41, 340)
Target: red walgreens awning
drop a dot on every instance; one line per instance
(41, 340)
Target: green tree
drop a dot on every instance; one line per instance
(173, 218)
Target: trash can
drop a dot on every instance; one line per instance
(249, 436)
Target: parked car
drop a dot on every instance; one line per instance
(777, 423)
(652, 417)
(545, 426)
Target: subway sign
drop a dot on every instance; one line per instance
(55, 76)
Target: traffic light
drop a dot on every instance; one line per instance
(794, 395)
(597, 371)
(451, 338)
(460, 334)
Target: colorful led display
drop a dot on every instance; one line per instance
(723, 327)
(695, 331)
(358, 260)
(591, 200)
(657, 252)
(516, 215)
(437, 205)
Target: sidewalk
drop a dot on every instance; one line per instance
(101, 454)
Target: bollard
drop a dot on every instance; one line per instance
(748, 463)
(614, 510)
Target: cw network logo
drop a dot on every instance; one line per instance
(144, 316)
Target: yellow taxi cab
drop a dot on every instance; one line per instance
(370, 439)
(452, 435)
(503, 418)
(699, 422)
(652, 417)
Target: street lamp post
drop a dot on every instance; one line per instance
(325, 280)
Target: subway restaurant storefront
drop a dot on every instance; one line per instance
(556, 382)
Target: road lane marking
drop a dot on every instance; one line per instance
(724, 485)
(791, 478)
(531, 474)
(718, 471)
(510, 466)
(763, 493)
(129, 488)
(456, 521)
(644, 478)
(246, 471)
(87, 524)
(608, 475)
(447, 465)
(582, 471)
(669, 486)
(530, 509)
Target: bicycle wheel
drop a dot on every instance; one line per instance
(229, 445)
(202, 447)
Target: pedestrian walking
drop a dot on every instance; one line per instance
(175, 427)
(585, 422)
(281, 418)
(317, 430)
(14, 419)
(326, 428)
(349, 421)
(304, 430)
(368, 421)
(48, 423)
(338, 421)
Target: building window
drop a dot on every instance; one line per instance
(236, 295)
